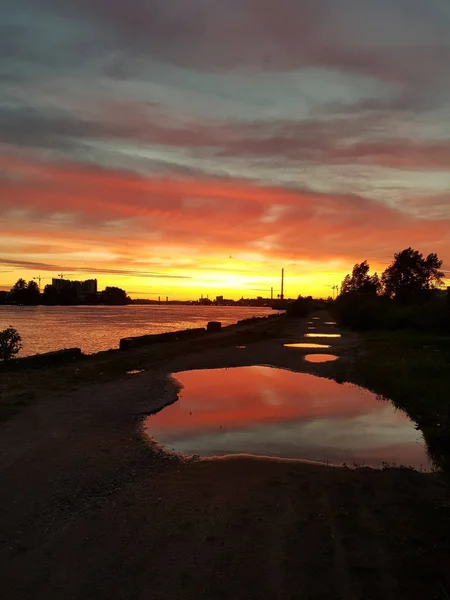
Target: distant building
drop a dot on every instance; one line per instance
(82, 288)
(89, 286)
(61, 284)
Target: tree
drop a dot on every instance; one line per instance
(10, 343)
(50, 296)
(411, 276)
(114, 296)
(68, 296)
(360, 282)
(19, 291)
(32, 295)
(25, 293)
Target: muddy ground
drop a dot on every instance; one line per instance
(91, 510)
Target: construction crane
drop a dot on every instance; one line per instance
(335, 289)
(39, 279)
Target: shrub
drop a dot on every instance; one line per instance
(300, 308)
(10, 343)
(379, 312)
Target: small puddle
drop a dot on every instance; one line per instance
(306, 345)
(312, 328)
(330, 323)
(135, 371)
(320, 358)
(274, 412)
(241, 347)
(323, 335)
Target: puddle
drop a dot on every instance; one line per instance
(307, 345)
(316, 318)
(323, 335)
(135, 371)
(330, 323)
(273, 412)
(312, 328)
(241, 347)
(320, 358)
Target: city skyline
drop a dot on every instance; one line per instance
(179, 148)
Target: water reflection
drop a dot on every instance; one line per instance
(306, 345)
(320, 358)
(323, 335)
(274, 412)
(135, 371)
(330, 322)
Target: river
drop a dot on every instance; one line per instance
(95, 328)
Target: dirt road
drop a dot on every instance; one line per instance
(90, 510)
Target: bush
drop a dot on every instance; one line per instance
(10, 343)
(368, 313)
(300, 308)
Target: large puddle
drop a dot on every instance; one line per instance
(273, 412)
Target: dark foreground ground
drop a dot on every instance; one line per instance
(91, 510)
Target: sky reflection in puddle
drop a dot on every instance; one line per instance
(323, 335)
(306, 345)
(320, 358)
(274, 412)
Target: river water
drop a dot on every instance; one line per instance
(95, 328)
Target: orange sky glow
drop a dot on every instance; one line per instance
(155, 154)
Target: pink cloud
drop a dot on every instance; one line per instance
(126, 215)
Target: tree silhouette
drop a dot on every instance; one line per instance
(411, 276)
(32, 295)
(25, 293)
(19, 291)
(10, 343)
(114, 296)
(360, 282)
(50, 295)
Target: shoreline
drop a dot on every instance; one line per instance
(157, 337)
(77, 477)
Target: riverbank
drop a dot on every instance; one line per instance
(92, 510)
(99, 328)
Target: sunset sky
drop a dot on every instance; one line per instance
(187, 147)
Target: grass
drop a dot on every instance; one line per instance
(412, 370)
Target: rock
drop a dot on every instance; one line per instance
(125, 343)
(214, 327)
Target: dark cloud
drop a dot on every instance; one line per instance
(24, 264)
(343, 137)
(398, 41)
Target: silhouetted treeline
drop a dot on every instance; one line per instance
(408, 294)
(301, 307)
(28, 294)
